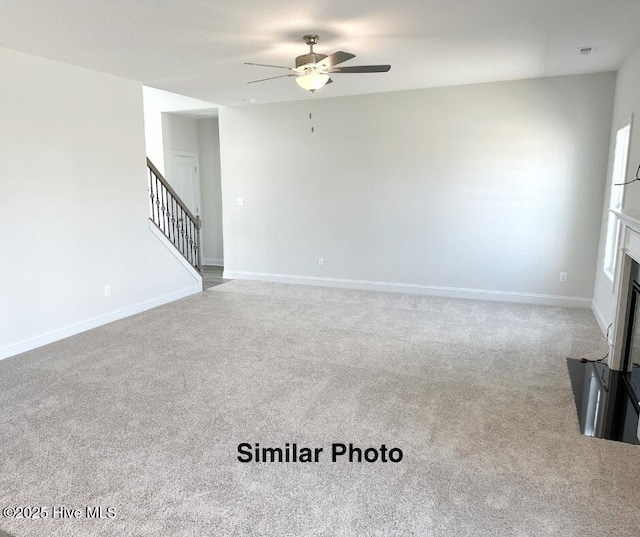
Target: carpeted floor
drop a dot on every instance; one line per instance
(145, 415)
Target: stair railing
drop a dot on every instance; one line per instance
(173, 218)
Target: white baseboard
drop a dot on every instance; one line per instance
(213, 261)
(410, 288)
(72, 330)
(602, 322)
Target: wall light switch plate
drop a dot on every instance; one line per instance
(240, 202)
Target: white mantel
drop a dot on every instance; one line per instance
(630, 217)
(628, 250)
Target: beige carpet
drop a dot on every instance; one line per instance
(145, 416)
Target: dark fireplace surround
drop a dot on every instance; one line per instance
(607, 393)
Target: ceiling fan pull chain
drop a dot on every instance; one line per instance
(311, 114)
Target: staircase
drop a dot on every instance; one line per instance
(172, 217)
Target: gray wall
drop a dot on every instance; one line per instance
(179, 133)
(211, 193)
(74, 204)
(627, 102)
(461, 190)
(194, 135)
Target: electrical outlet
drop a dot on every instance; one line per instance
(240, 202)
(563, 277)
(321, 261)
(107, 290)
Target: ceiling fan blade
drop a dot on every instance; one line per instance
(361, 69)
(265, 65)
(270, 78)
(335, 59)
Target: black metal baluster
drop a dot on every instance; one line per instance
(176, 210)
(165, 210)
(172, 220)
(154, 182)
(179, 230)
(157, 218)
(169, 211)
(176, 236)
(198, 246)
(185, 236)
(191, 243)
(164, 196)
(195, 244)
(168, 217)
(153, 191)
(161, 212)
(150, 193)
(188, 241)
(180, 224)
(161, 201)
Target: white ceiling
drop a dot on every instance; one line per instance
(197, 48)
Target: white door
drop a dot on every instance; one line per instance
(186, 180)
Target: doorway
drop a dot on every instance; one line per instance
(186, 179)
(191, 147)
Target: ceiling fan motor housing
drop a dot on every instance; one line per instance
(311, 58)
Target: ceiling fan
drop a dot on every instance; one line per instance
(312, 70)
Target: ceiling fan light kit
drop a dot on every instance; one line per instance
(313, 70)
(312, 81)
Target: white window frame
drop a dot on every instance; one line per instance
(619, 174)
